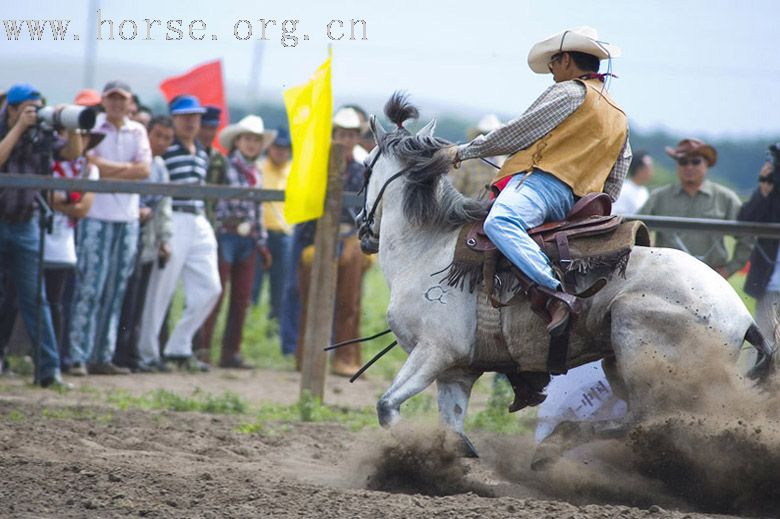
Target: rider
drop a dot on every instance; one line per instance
(573, 140)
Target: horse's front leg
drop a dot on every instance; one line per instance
(424, 364)
(454, 391)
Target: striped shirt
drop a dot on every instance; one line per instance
(186, 168)
(548, 111)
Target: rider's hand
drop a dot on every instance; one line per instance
(451, 153)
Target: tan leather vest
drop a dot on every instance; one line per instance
(583, 149)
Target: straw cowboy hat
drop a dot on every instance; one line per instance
(693, 147)
(250, 124)
(346, 118)
(582, 39)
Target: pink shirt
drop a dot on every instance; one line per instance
(130, 143)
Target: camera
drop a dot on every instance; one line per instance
(68, 117)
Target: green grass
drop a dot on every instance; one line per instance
(199, 401)
(76, 413)
(14, 415)
(307, 409)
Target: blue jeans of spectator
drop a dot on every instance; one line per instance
(279, 244)
(291, 303)
(520, 206)
(19, 253)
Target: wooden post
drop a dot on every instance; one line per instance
(322, 287)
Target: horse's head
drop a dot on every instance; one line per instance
(404, 157)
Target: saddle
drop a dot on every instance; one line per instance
(587, 239)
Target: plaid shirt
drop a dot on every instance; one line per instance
(551, 108)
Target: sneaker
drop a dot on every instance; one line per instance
(143, 367)
(189, 363)
(108, 369)
(56, 383)
(78, 369)
(155, 366)
(203, 355)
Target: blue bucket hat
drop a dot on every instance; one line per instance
(21, 92)
(211, 117)
(186, 104)
(282, 138)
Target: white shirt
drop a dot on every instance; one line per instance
(129, 143)
(631, 198)
(60, 247)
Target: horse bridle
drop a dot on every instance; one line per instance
(367, 217)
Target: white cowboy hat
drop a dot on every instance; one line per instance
(489, 123)
(581, 39)
(250, 124)
(347, 118)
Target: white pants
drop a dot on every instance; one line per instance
(194, 259)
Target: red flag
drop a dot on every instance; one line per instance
(204, 82)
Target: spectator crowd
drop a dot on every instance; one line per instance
(112, 261)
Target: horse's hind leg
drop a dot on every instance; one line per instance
(454, 390)
(419, 371)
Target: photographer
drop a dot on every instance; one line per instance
(763, 280)
(27, 148)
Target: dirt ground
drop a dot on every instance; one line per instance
(74, 455)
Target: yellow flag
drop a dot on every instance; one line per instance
(309, 111)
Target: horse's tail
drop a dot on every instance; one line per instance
(766, 352)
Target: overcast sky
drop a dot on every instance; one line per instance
(702, 67)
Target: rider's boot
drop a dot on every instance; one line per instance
(558, 308)
(562, 308)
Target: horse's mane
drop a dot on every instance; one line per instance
(428, 200)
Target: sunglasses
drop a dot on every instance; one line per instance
(693, 162)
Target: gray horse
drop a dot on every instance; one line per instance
(665, 298)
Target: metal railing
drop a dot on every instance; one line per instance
(656, 223)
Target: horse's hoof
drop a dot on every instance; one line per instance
(469, 451)
(385, 413)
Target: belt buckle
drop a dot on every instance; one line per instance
(243, 228)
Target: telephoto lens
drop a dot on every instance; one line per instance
(68, 117)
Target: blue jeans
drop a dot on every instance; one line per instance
(234, 248)
(289, 320)
(521, 206)
(279, 244)
(19, 252)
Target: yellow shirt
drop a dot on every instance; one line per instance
(275, 177)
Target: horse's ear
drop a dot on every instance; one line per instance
(428, 129)
(376, 128)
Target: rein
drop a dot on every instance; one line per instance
(368, 216)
